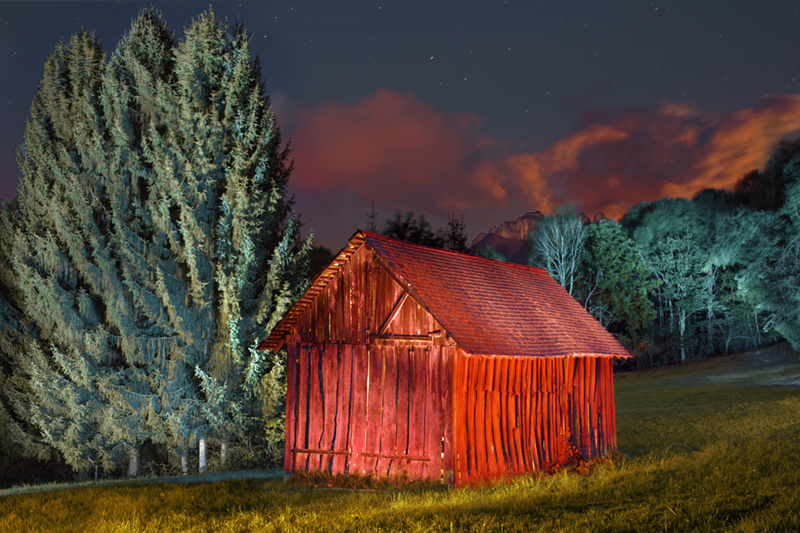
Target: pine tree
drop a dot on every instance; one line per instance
(158, 246)
(18, 437)
(623, 282)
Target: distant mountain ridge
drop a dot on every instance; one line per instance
(510, 238)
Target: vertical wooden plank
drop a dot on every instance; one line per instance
(569, 390)
(483, 431)
(506, 457)
(292, 349)
(586, 444)
(503, 386)
(521, 435)
(315, 410)
(371, 279)
(601, 406)
(358, 310)
(417, 407)
(325, 315)
(337, 300)
(330, 393)
(301, 460)
(608, 411)
(402, 407)
(358, 412)
(471, 370)
(434, 396)
(330, 310)
(499, 455)
(374, 408)
(457, 387)
(537, 435)
(595, 406)
(578, 402)
(347, 299)
(516, 458)
(389, 418)
(343, 406)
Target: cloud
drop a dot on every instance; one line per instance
(390, 147)
(741, 142)
(618, 159)
(401, 153)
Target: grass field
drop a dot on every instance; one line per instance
(707, 446)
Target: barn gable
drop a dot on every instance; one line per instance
(357, 300)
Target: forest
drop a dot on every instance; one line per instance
(152, 246)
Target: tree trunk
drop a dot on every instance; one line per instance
(682, 325)
(201, 448)
(185, 464)
(133, 463)
(223, 453)
(758, 331)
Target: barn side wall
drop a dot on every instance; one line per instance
(369, 410)
(524, 414)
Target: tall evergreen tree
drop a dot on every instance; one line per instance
(18, 437)
(624, 282)
(158, 245)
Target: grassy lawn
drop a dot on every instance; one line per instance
(707, 446)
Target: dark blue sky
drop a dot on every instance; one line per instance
(483, 109)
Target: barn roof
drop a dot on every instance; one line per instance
(488, 307)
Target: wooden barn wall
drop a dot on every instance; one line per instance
(363, 303)
(518, 414)
(369, 410)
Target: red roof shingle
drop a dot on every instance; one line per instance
(489, 307)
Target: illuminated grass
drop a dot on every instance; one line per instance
(701, 454)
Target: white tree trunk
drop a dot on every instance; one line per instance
(223, 453)
(201, 448)
(133, 463)
(185, 464)
(682, 325)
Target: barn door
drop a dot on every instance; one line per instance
(399, 397)
(374, 410)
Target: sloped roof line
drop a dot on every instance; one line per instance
(276, 337)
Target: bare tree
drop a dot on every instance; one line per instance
(557, 245)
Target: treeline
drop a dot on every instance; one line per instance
(150, 247)
(680, 278)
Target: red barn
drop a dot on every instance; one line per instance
(404, 358)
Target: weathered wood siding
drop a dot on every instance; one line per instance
(377, 410)
(513, 413)
(364, 304)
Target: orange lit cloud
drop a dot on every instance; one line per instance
(671, 150)
(401, 153)
(740, 143)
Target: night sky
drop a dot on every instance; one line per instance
(483, 109)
